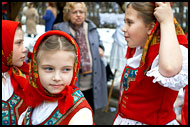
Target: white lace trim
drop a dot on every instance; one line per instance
(176, 82)
(124, 121)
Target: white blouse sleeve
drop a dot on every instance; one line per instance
(176, 82)
(21, 117)
(82, 117)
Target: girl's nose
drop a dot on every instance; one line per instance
(56, 76)
(124, 29)
(24, 50)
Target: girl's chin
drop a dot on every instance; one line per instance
(18, 64)
(130, 46)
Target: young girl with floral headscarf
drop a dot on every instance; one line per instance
(14, 72)
(52, 95)
(157, 65)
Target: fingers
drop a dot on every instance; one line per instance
(158, 4)
(168, 3)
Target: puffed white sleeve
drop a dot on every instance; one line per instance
(176, 82)
(21, 117)
(82, 117)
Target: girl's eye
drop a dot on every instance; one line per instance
(19, 43)
(66, 69)
(48, 68)
(129, 22)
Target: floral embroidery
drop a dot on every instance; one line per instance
(9, 59)
(18, 72)
(129, 75)
(8, 109)
(57, 116)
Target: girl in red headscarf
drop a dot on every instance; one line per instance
(14, 72)
(157, 65)
(52, 95)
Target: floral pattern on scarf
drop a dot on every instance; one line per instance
(35, 92)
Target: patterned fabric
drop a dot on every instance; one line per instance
(18, 76)
(129, 75)
(57, 118)
(146, 98)
(81, 40)
(35, 93)
(12, 109)
(153, 40)
(184, 110)
(137, 91)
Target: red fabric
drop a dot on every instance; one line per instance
(35, 93)
(147, 102)
(155, 33)
(65, 119)
(184, 110)
(83, 104)
(29, 55)
(18, 75)
(18, 109)
(4, 2)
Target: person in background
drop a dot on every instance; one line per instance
(52, 96)
(14, 72)
(32, 18)
(4, 10)
(50, 15)
(119, 47)
(157, 65)
(92, 73)
(59, 17)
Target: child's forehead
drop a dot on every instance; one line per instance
(52, 52)
(56, 58)
(19, 35)
(131, 13)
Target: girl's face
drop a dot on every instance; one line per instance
(55, 69)
(18, 49)
(135, 31)
(77, 15)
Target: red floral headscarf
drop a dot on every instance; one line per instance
(17, 74)
(35, 93)
(150, 50)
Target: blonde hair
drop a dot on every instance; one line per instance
(69, 6)
(145, 10)
(55, 43)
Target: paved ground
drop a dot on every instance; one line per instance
(104, 118)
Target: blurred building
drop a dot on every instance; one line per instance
(180, 10)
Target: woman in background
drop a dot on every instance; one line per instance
(92, 73)
(50, 15)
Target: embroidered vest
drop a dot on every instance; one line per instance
(56, 118)
(12, 109)
(145, 101)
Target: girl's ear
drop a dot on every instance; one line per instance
(150, 27)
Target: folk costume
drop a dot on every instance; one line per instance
(12, 90)
(184, 110)
(146, 97)
(93, 84)
(61, 108)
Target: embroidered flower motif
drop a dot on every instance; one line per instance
(9, 59)
(34, 84)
